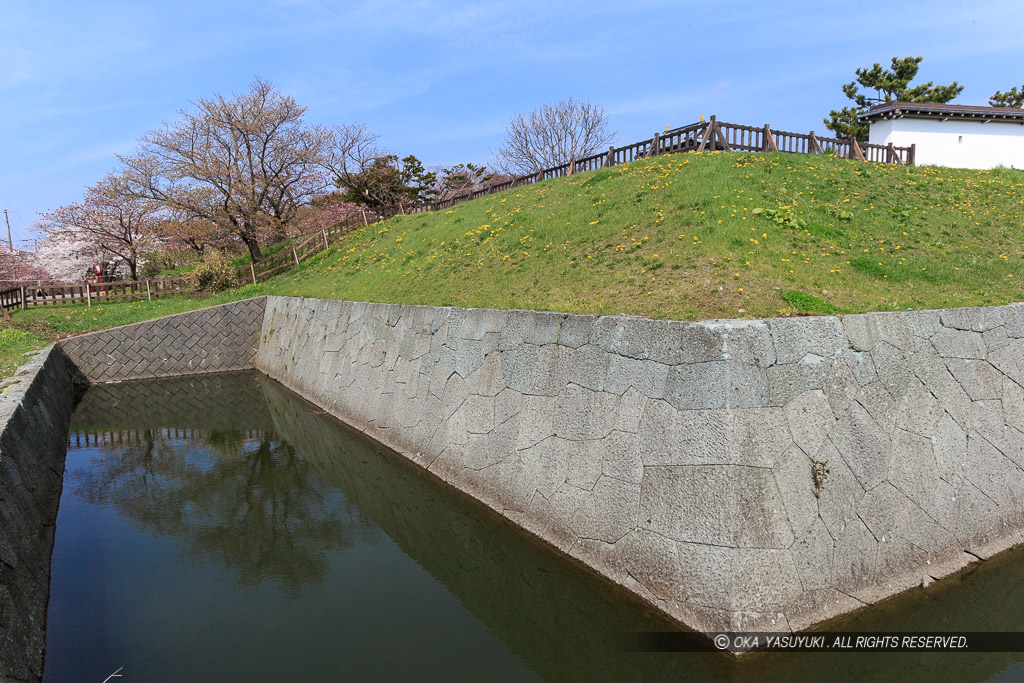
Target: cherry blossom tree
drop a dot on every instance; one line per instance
(18, 267)
(325, 212)
(109, 224)
(64, 256)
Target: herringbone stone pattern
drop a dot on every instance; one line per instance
(212, 339)
(186, 401)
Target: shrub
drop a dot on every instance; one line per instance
(213, 273)
(11, 338)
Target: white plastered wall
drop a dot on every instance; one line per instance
(953, 143)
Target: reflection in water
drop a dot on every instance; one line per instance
(384, 571)
(249, 503)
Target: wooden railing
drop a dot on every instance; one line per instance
(304, 246)
(50, 294)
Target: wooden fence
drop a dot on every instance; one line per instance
(27, 295)
(703, 136)
(304, 246)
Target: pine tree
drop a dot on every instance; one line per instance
(1011, 98)
(890, 85)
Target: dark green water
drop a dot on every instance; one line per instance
(219, 528)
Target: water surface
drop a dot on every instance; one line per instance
(219, 527)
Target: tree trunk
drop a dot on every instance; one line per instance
(254, 247)
(133, 268)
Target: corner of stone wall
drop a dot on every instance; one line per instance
(35, 409)
(760, 475)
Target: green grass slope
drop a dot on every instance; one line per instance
(701, 236)
(687, 236)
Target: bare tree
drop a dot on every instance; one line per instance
(246, 163)
(181, 230)
(552, 135)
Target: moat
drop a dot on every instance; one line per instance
(219, 527)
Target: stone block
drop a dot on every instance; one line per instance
(923, 324)
(624, 335)
(609, 512)
(1013, 318)
(702, 342)
(582, 414)
(489, 378)
(978, 319)
(955, 343)
(646, 376)
(795, 479)
(620, 457)
(666, 341)
(748, 342)
(630, 411)
(758, 436)
(590, 366)
(861, 366)
(576, 330)
(692, 437)
(978, 378)
(837, 489)
(716, 505)
(786, 382)
(863, 444)
(810, 419)
(552, 369)
(856, 560)
(697, 385)
(861, 331)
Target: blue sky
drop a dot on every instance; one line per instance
(80, 82)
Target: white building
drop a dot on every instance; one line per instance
(953, 135)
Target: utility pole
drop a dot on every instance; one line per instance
(14, 256)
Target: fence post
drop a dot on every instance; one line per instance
(149, 295)
(912, 155)
(24, 303)
(363, 211)
(610, 159)
(855, 149)
(655, 147)
(572, 166)
(540, 175)
(294, 255)
(252, 269)
(769, 141)
(88, 294)
(709, 130)
(722, 140)
(815, 148)
(326, 245)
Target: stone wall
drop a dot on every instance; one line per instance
(34, 408)
(212, 339)
(740, 475)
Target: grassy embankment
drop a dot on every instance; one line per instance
(683, 236)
